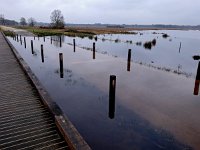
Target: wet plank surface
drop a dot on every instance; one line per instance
(25, 123)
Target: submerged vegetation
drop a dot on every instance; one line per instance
(9, 33)
(149, 44)
(196, 57)
(165, 35)
(130, 42)
(117, 40)
(138, 43)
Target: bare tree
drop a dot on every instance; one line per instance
(57, 19)
(2, 19)
(31, 22)
(23, 21)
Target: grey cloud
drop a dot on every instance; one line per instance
(106, 11)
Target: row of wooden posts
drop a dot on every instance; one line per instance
(74, 45)
(112, 85)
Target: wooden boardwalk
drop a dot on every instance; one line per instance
(25, 123)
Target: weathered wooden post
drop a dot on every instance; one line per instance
(112, 96)
(34, 37)
(51, 40)
(197, 81)
(21, 39)
(61, 65)
(25, 42)
(94, 50)
(129, 60)
(44, 38)
(60, 41)
(74, 42)
(17, 38)
(180, 47)
(42, 53)
(38, 38)
(32, 47)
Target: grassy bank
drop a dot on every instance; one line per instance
(41, 31)
(7, 32)
(50, 32)
(76, 32)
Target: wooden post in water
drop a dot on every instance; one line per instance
(25, 42)
(197, 81)
(34, 37)
(129, 60)
(42, 53)
(44, 38)
(60, 41)
(112, 88)
(17, 38)
(32, 47)
(74, 42)
(180, 47)
(61, 65)
(21, 39)
(38, 38)
(51, 40)
(94, 50)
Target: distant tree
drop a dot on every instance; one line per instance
(31, 22)
(2, 19)
(23, 21)
(57, 19)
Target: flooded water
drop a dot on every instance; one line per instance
(155, 106)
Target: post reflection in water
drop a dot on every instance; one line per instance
(51, 39)
(57, 40)
(197, 81)
(129, 60)
(112, 96)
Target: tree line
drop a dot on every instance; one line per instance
(57, 20)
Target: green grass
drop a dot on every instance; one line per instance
(9, 33)
(81, 34)
(51, 32)
(44, 32)
(41, 32)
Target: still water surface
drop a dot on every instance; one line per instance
(155, 107)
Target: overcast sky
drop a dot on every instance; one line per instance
(184, 12)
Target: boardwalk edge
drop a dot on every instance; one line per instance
(67, 129)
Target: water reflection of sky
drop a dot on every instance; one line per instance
(154, 109)
(165, 54)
